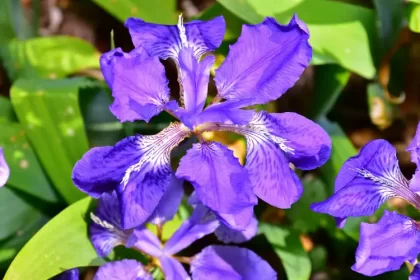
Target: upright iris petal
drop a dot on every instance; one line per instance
(220, 181)
(4, 169)
(229, 262)
(366, 181)
(267, 60)
(109, 59)
(137, 167)
(122, 270)
(195, 79)
(385, 246)
(142, 93)
(166, 41)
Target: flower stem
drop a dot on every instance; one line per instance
(159, 230)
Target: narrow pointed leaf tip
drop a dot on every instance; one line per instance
(265, 62)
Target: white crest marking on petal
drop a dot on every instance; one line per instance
(157, 145)
(182, 32)
(100, 222)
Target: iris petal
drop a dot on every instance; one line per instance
(305, 143)
(228, 112)
(265, 62)
(414, 149)
(273, 180)
(194, 76)
(4, 169)
(165, 40)
(195, 227)
(366, 181)
(230, 262)
(169, 204)
(146, 181)
(146, 241)
(122, 270)
(140, 88)
(415, 274)
(220, 181)
(101, 169)
(228, 235)
(385, 246)
(108, 60)
(105, 231)
(138, 167)
(173, 269)
(71, 274)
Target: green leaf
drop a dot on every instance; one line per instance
(61, 244)
(7, 33)
(157, 11)
(49, 112)
(302, 217)
(6, 110)
(48, 57)
(414, 18)
(342, 149)
(26, 172)
(341, 33)
(389, 21)
(287, 245)
(15, 213)
(233, 23)
(330, 80)
(30, 224)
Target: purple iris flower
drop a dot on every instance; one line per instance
(267, 59)
(4, 169)
(71, 274)
(216, 262)
(365, 182)
(415, 274)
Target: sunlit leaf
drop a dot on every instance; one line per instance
(48, 57)
(49, 112)
(15, 213)
(341, 33)
(288, 247)
(157, 11)
(414, 17)
(61, 244)
(26, 173)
